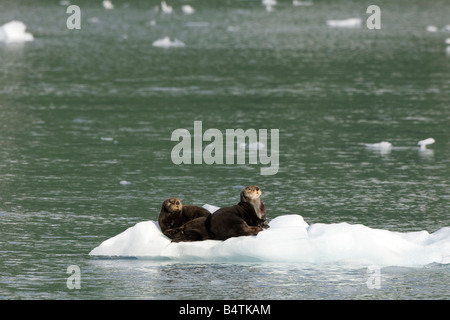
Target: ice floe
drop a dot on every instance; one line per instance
(423, 143)
(346, 23)
(167, 43)
(289, 239)
(14, 31)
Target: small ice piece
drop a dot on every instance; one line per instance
(124, 183)
(165, 8)
(187, 9)
(432, 29)
(107, 138)
(346, 23)
(447, 50)
(14, 31)
(233, 28)
(269, 8)
(423, 143)
(447, 41)
(107, 5)
(210, 208)
(381, 145)
(269, 2)
(167, 43)
(297, 3)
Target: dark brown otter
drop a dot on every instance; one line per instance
(246, 218)
(194, 230)
(173, 214)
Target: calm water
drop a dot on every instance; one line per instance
(83, 110)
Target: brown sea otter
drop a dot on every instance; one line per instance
(246, 218)
(173, 214)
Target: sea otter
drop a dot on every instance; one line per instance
(194, 230)
(173, 214)
(246, 218)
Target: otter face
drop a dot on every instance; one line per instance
(251, 192)
(172, 205)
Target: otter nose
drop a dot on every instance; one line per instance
(178, 203)
(257, 188)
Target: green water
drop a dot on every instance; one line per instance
(83, 110)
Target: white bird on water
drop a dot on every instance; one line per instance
(423, 143)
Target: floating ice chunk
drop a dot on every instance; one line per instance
(289, 239)
(297, 3)
(233, 28)
(107, 139)
(107, 5)
(210, 208)
(423, 143)
(382, 146)
(432, 28)
(187, 9)
(14, 31)
(269, 2)
(125, 183)
(447, 50)
(165, 8)
(447, 41)
(346, 23)
(167, 43)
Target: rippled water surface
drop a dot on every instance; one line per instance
(83, 110)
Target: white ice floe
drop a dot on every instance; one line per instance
(289, 239)
(297, 3)
(14, 31)
(383, 147)
(107, 138)
(346, 23)
(167, 43)
(124, 183)
(187, 9)
(107, 5)
(423, 143)
(432, 28)
(269, 2)
(166, 8)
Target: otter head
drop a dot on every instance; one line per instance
(172, 205)
(250, 193)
